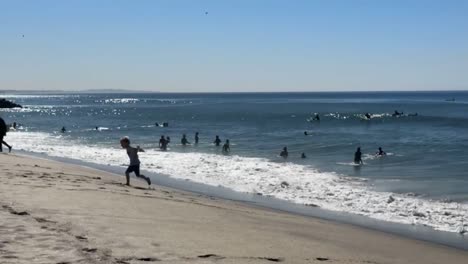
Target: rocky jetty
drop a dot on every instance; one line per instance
(7, 104)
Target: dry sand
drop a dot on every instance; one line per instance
(52, 212)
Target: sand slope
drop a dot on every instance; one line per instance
(52, 212)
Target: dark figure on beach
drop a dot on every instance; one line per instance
(163, 143)
(305, 133)
(357, 156)
(196, 138)
(368, 116)
(134, 160)
(284, 153)
(184, 140)
(380, 152)
(63, 130)
(303, 155)
(3, 131)
(14, 125)
(226, 147)
(217, 141)
(316, 117)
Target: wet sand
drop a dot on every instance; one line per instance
(53, 212)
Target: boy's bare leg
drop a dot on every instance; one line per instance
(148, 180)
(9, 146)
(127, 175)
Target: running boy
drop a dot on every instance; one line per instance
(134, 160)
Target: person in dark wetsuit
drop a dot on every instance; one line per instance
(380, 152)
(184, 140)
(163, 143)
(316, 117)
(303, 155)
(196, 138)
(63, 130)
(226, 147)
(217, 141)
(305, 133)
(357, 156)
(3, 131)
(397, 114)
(368, 116)
(284, 153)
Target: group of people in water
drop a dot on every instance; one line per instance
(164, 142)
(367, 116)
(395, 114)
(358, 155)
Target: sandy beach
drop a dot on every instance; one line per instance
(52, 212)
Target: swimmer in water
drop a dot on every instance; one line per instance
(303, 155)
(368, 116)
(196, 138)
(305, 133)
(217, 141)
(284, 153)
(163, 143)
(396, 113)
(357, 156)
(63, 130)
(226, 147)
(184, 140)
(316, 117)
(380, 152)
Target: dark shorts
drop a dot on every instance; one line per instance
(133, 168)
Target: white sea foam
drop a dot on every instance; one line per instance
(291, 182)
(119, 101)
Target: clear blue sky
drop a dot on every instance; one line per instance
(251, 45)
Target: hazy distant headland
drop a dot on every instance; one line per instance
(97, 91)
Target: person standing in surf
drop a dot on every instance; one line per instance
(163, 143)
(217, 141)
(358, 156)
(184, 140)
(226, 147)
(3, 131)
(134, 160)
(284, 153)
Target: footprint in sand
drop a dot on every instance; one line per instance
(90, 250)
(81, 237)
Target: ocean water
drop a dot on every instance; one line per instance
(422, 181)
